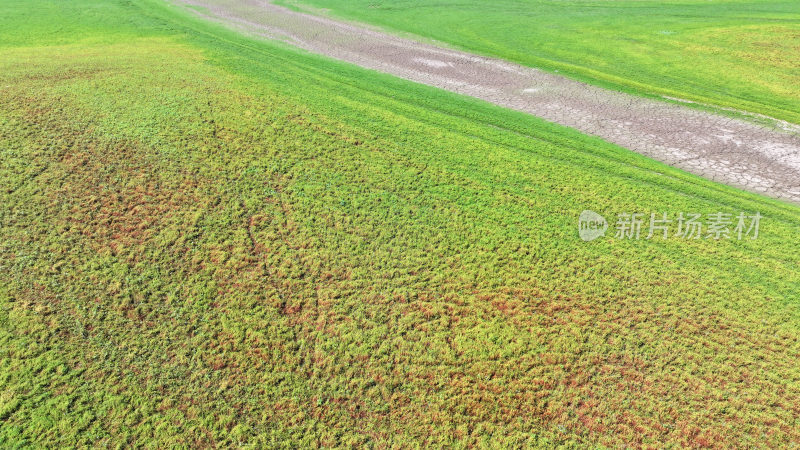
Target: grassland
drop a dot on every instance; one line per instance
(207, 240)
(740, 54)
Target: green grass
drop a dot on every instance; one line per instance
(208, 240)
(740, 54)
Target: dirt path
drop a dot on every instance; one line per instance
(735, 152)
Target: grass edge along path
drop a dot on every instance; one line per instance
(673, 52)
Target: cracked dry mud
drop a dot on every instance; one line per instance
(736, 152)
